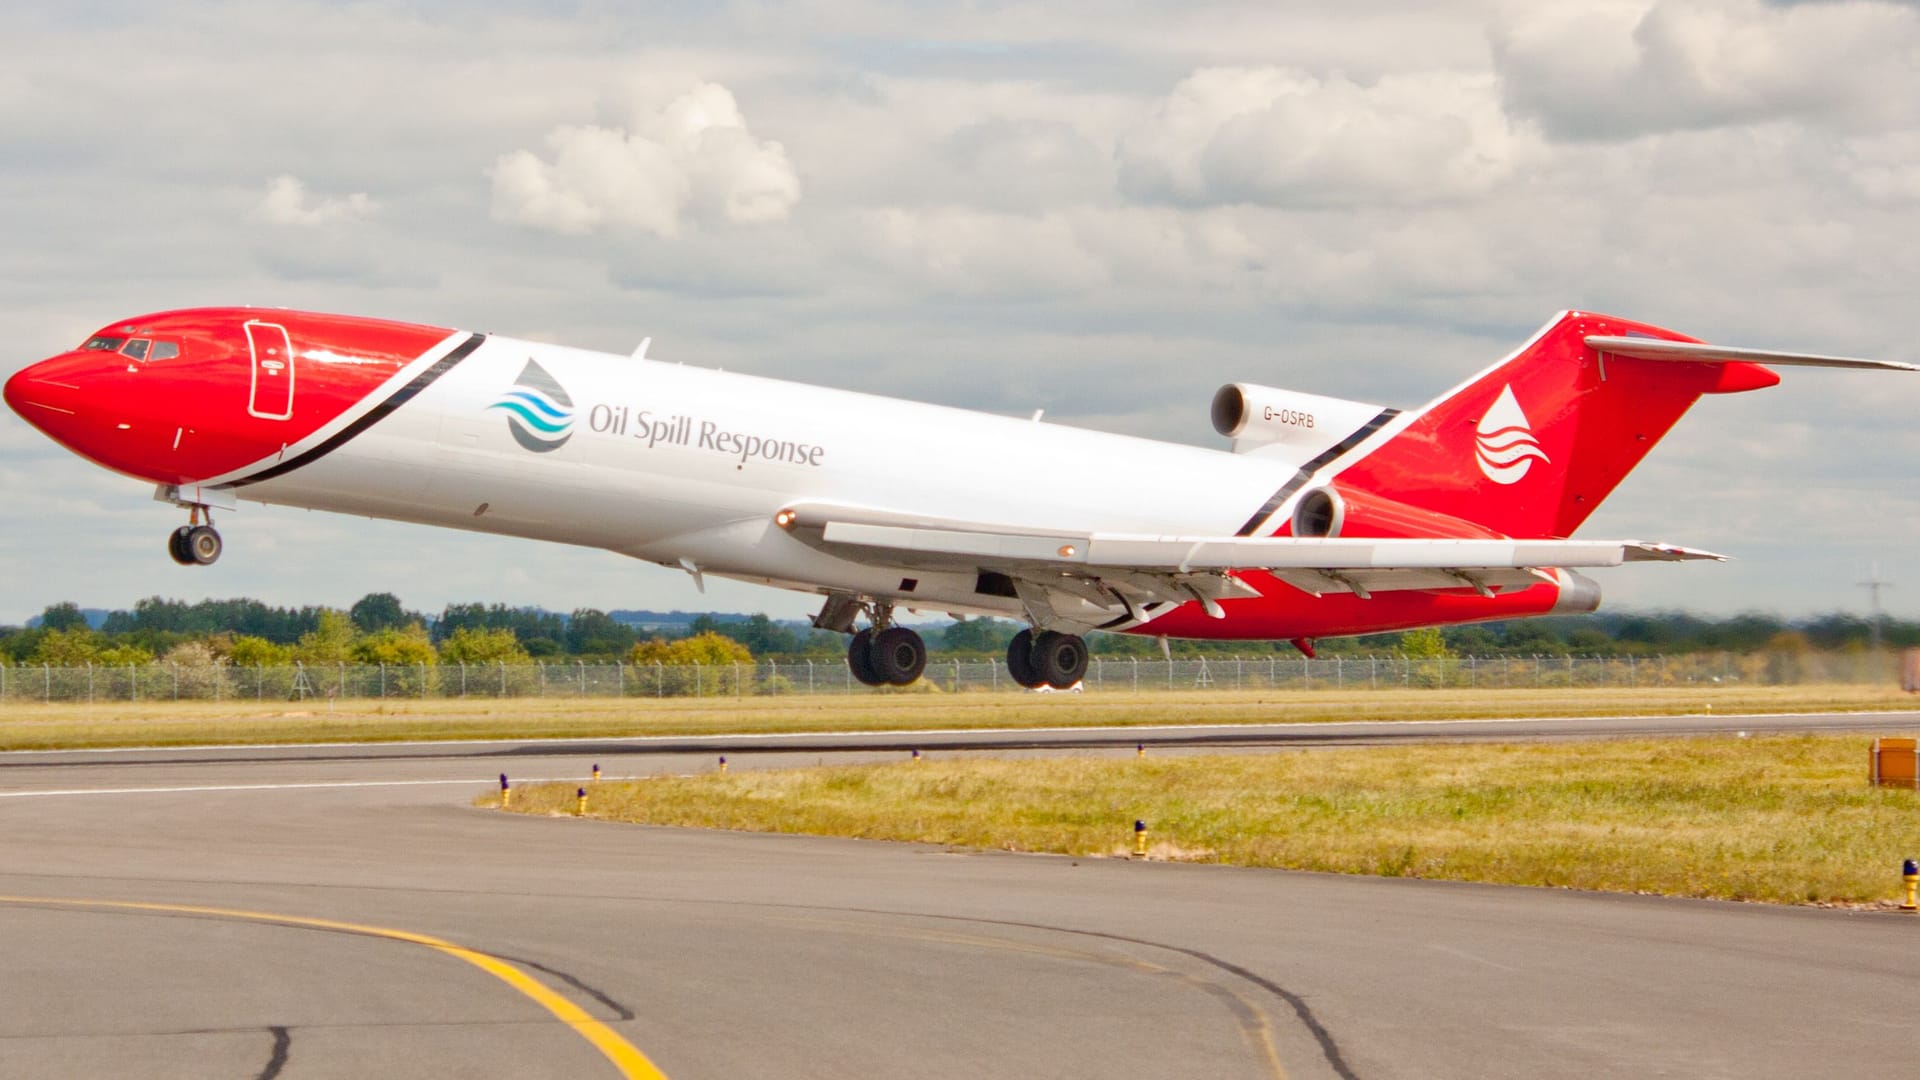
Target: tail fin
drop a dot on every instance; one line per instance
(1530, 447)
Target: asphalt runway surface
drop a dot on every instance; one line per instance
(344, 911)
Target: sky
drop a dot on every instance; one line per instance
(1106, 210)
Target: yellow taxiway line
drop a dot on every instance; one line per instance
(624, 1055)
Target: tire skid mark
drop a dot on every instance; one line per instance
(282, 1043)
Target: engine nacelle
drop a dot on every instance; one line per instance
(1334, 510)
(1261, 416)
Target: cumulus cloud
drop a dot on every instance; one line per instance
(287, 202)
(692, 160)
(1282, 137)
(1620, 70)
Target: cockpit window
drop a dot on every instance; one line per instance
(137, 348)
(104, 343)
(164, 350)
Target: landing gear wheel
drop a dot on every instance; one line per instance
(1060, 659)
(202, 544)
(898, 655)
(860, 659)
(1020, 661)
(177, 545)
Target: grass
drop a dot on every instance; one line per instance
(26, 726)
(1783, 819)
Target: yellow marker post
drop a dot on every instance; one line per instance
(916, 757)
(506, 793)
(580, 803)
(596, 772)
(1910, 873)
(1139, 839)
(723, 763)
(1139, 750)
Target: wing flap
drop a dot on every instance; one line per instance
(1189, 554)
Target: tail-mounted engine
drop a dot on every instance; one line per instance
(1256, 417)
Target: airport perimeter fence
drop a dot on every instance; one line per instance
(227, 682)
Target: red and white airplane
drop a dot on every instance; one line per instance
(1328, 517)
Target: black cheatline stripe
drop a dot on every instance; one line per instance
(375, 415)
(1305, 472)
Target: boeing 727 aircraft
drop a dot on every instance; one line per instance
(1327, 517)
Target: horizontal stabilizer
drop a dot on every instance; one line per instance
(1642, 348)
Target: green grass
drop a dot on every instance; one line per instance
(26, 726)
(1784, 819)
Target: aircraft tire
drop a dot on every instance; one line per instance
(898, 656)
(1060, 659)
(202, 544)
(1020, 663)
(177, 545)
(860, 659)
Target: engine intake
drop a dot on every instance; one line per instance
(1254, 416)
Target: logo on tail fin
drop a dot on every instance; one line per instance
(1503, 443)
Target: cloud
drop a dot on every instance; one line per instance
(692, 159)
(286, 202)
(1615, 71)
(1283, 137)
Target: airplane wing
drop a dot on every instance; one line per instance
(1121, 572)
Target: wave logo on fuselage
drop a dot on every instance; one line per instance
(1503, 443)
(539, 412)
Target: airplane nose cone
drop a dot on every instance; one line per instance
(40, 386)
(47, 395)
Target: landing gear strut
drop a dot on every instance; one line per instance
(886, 655)
(1048, 658)
(195, 544)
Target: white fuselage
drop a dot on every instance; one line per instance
(686, 467)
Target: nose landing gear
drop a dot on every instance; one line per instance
(195, 544)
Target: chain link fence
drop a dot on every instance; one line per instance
(225, 682)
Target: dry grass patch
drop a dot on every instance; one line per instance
(26, 726)
(1785, 819)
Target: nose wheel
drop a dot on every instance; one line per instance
(195, 544)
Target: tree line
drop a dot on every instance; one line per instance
(378, 628)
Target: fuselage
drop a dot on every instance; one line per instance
(682, 466)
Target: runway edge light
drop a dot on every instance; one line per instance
(1139, 839)
(580, 802)
(506, 792)
(1910, 873)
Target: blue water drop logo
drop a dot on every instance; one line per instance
(539, 412)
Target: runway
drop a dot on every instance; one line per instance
(738, 955)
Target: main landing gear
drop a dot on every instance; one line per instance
(884, 654)
(1048, 658)
(195, 544)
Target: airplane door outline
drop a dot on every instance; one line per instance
(271, 396)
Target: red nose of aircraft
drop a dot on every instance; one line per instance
(48, 396)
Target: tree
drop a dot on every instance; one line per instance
(63, 616)
(394, 645)
(592, 632)
(250, 651)
(982, 635)
(707, 648)
(380, 611)
(67, 648)
(329, 642)
(469, 645)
